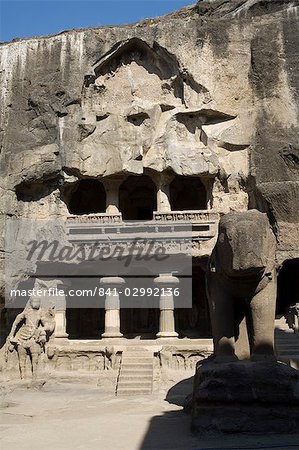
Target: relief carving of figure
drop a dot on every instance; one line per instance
(29, 334)
(110, 358)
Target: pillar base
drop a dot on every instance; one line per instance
(111, 335)
(61, 336)
(167, 334)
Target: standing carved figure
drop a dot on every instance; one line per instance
(109, 358)
(241, 286)
(29, 333)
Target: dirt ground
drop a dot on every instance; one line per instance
(85, 415)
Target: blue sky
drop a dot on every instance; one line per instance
(23, 18)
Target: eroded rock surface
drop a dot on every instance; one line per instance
(209, 91)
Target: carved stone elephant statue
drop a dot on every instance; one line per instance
(241, 287)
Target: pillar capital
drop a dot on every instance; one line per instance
(162, 178)
(111, 183)
(112, 281)
(166, 279)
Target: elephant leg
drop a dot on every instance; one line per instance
(242, 344)
(242, 348)
(262, 308)
(221, 306)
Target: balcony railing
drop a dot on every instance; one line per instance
(197, 216)
(99, 218)
(187, 216)
(163, 225)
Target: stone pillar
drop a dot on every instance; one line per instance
(112, 306)
(162, 181)
(112, 194)
(167, 322)
(60, 312)
(208, 184)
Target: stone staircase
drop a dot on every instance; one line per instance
(286, 344)
(136, 372)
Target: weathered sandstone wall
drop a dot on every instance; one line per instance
(210, 90)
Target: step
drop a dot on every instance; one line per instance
(289, 353)
(286, 339)
(287, 347)
(149, 354)
(147, 379)
(284, 346)
(135, 381)
(289, 334)
(143, 365)
(139, 371)
(136, 373)
(134, 391)
(139, 385)
(136, 360)
(137, 352)
(140, 349)
(138, 376)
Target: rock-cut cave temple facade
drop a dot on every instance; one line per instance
(184, 117)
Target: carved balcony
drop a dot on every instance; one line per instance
(166, 227)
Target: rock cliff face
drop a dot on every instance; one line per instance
(208, 91)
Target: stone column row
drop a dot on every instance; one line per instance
(113, 285)
(162, 181)
(112, 306)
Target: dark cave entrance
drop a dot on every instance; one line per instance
(88, 197)
(138, 198)
(287, 285)
(187, 193)
(139, 322)
(195, 322)
(85, 323)
(85, 315)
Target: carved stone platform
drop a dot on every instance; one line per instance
(242, 397)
